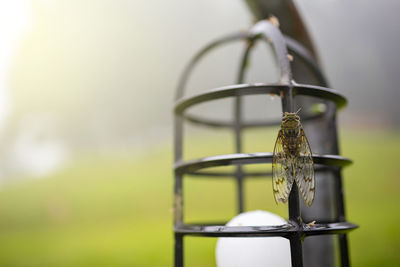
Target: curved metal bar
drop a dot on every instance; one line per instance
(249, 158)
(245, 89)
(292, 45)
(188, 69)
(250, 124)
(209, 174)
(305, 55)
(245, 60)
(329, 228)
(320, 92)
(236, 231)
(261, 29)
(253, 174)
(285, 230)
(272, 34)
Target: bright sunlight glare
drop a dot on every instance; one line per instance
(15, 21)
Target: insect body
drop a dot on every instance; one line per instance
(292, 161)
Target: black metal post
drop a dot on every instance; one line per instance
(341, 217)
(296, 246)
(179, 250)
(238, 149)
(178, 191)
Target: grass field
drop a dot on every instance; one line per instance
(116, 210)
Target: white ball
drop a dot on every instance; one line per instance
(253, 251)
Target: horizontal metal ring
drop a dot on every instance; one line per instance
(246, 174)
(243, 125)
(285, 230)
(257, 89)
(182, 167)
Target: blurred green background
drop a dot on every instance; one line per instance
(86, 96)
(115, 210)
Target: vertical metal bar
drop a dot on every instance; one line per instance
(287, 101)
(238, 127)
(340, 216)
(178, 200)
(178, 188)
(178, 191)
(296, 250)
(296, 247)
(238, 149)
(179, 250)
(178, 138)
(340, 213)
(294, 205)
(344, 251)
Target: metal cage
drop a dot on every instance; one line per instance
(295, 230)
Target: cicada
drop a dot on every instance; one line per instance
(292, 161)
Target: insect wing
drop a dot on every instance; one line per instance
(282, 174)
(304, 166)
